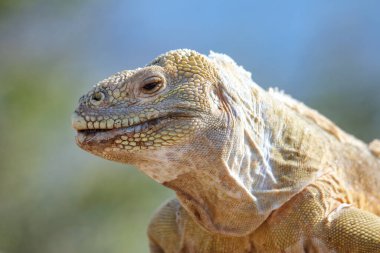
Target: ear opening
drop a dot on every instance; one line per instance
(225, 105)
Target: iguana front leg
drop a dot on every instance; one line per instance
(319, 219)
(163, 229)
(172, 230)
(353, 230)
(347, 229)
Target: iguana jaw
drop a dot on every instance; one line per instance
(164, 130)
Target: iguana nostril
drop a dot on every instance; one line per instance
(97, 97)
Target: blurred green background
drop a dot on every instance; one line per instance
(56, 198)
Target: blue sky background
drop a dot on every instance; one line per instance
(57, 198)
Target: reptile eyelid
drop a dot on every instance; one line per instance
(152, 84)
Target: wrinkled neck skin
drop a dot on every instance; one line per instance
(236, 184)
(235, 175)
(217, 193)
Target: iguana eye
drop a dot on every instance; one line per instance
(152, 84)
(97, 98)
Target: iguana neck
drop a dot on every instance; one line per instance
(239, 182)
(214, 194)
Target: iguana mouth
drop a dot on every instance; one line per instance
(153, 129)
(135, 128)
(83, 125)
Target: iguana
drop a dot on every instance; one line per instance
(253, 170)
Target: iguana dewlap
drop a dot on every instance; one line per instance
(253, 170)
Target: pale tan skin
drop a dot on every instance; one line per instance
(253, 170)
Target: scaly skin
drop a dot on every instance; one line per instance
(253, 170)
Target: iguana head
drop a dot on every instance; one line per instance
(153, 116)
